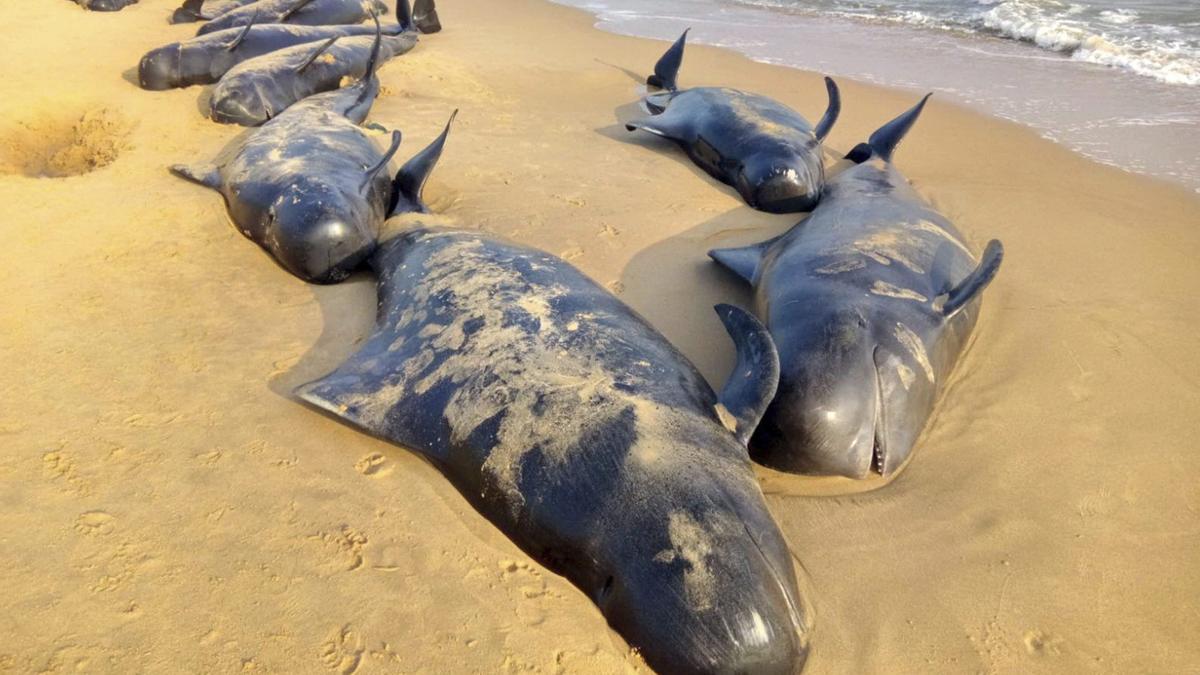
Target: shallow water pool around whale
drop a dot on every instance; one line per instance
(1086, 75)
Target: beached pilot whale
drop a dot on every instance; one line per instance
(871, 300)
(205, 59)
(310, 186)
(306, 12)
(764, 149)
(578, 430)
(105, 5)
(254, 91)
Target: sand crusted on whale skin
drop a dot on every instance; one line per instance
(582, 433)
(871, 300)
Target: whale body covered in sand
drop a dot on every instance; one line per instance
(578, 430)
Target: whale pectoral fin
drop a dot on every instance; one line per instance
(208, 175)
(976, 281)
(742, 261)
(410, 180)
(660, 125)
(831, 111)
(363, 393)
(755, 376)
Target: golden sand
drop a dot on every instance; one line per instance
(167, 506)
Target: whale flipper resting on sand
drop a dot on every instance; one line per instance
(305, 12)
(310, 185)
(205, 59)
(871, 300)
(254, 91)
(579, 431)
(768, 152)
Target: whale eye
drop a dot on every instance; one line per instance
(605, 590)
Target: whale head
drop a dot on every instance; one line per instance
(852, 396)
(235, 104)
(700, 572)
(789, 181)
(317, 232)
(160, 68)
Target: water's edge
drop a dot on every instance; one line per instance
(1115, 117)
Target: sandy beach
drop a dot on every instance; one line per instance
(166, 505)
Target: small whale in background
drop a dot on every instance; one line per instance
(306, 12)
(870, 300)
(310, 186)
(254, 91)
(578, 430)
(205, 10)
(768, 152)
(105, 5)
(205, 59)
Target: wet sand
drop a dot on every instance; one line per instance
(167, 506)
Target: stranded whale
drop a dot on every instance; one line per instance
(578, 430)
(870, 299)
(764, 149)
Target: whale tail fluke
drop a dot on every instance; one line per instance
(883, 141)
(831, 111)
(409, 183)
(743, 260)
(426, 17)
(667, 69)
(979, 278)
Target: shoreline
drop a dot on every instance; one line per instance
(1150, 128)
(169, 505)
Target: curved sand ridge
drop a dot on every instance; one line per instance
(167, 506)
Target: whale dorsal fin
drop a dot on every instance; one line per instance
(300, 4)
(883, 142)
(976, 281)
(404, 16)
(410, 179)
(208, 175)
(426, 16)
(241, 37)
(667, 69)
(387, 157)
(755, 376)
(831, 111)
(665, 124)
(743, 260)
(316, 52)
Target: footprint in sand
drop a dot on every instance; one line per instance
(342, 651)
(374, 465)
(92, 523)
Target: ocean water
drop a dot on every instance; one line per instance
(1116, 80)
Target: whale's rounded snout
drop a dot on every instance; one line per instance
(159, 69)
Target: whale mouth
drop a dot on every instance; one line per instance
(879, 449)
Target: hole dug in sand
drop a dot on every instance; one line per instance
(63, 144)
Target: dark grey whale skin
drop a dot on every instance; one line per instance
(768, 152)
(302, 185)
(870, 299)
(205, 59)
(105, 5)
(312, 13)
(261, 88)
(578, 430)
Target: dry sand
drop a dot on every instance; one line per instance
(166, 506)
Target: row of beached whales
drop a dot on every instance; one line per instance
(559, 413)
